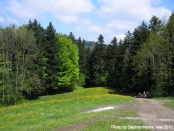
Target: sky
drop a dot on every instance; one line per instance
(86, 18)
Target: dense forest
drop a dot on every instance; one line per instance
(35, 61)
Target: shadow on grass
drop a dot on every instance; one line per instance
(136, 94)
(117, 91)
(128, 92)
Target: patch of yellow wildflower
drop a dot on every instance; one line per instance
(9, 116)
(75, 97)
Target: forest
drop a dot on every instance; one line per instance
(35, 61)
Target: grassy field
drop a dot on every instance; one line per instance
(63, 111)
(168, 101)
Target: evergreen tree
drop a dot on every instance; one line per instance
(89, 70)
(140, 36)
(112, 63)
(125, 54)
(82, 60)
(155, 24)
(72, 37)
(82, 55)
(98, 63)
(50, 55)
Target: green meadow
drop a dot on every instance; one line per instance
(61, 111)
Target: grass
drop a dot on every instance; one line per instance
(170, 104)
(168, 101)
(62, 110)
(111, 118)
(164, 98)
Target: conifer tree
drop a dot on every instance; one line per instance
(82, 60)
(111, 60)
(140, 36)
(89, 70)
(72, 37)
(50, 55)
(98, 63)
(155, 24)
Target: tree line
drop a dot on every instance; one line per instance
(36, 61)
(142, 61)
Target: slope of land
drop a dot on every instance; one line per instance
(57, 111)
(86, 109)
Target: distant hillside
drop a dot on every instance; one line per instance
(89, 43)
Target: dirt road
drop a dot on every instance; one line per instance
(153, 113)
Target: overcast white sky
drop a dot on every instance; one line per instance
(85, 18)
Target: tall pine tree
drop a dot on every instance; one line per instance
(50, 55)
(99, 73)
(82, 60)
(72, 37)
(112, 63)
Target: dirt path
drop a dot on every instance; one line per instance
(153, 113)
